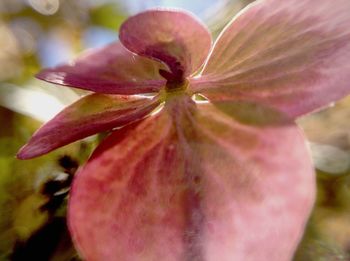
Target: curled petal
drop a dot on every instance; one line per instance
(174, 37)
(89, 115)
(195, 184)
(292, 55)
(111, 69)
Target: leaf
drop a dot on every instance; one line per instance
(111, 69)
(292, 55)
(194, 183)
(91, 114)
(174, 37)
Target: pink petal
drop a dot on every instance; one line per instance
(293, 55)
(89, 115)
(111, 69)
(192, 184)
(174, 37)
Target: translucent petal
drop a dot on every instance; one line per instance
(292, 55)
(195, 184)
(89, 115)
(174, 37)
(111, 69)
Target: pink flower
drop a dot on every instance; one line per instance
(228, 179)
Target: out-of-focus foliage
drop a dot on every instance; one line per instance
(328, 234)
(28, 205)
(33, 194)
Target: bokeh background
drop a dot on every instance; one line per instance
(33, 194)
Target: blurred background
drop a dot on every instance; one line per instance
(33, 194)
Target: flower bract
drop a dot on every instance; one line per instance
(220, 171)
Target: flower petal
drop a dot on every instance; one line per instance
(174, 37)
(111, 69)
(91, 114)
(192, 184)
(292, 55)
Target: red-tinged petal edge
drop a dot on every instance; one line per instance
(293, 55)
(174, 37)
(111, 69)
(91, 114)
(195, 182)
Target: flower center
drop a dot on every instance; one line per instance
(175, 89)
(173, 76)
(175, 81)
